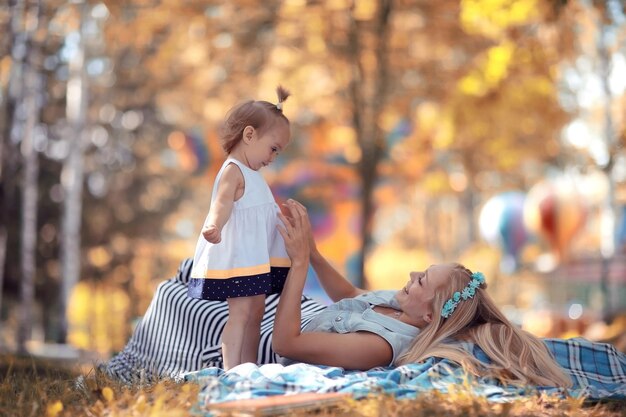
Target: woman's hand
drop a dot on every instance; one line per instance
(296, 232)
(335, 284)
(305, 218)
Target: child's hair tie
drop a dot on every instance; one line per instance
(279, 105)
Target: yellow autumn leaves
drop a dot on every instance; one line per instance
(492, 17)
(491, 69)
(53, 410)
(163, 399)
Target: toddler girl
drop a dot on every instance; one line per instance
(240, 257)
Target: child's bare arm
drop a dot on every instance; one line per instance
(229, 188)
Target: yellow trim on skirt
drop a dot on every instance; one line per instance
(246, 271)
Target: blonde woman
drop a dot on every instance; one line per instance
(437, 310)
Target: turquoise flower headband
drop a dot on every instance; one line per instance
(468, 292)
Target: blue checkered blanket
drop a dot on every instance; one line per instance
(598, 371)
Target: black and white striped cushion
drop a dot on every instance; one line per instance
(181, 334)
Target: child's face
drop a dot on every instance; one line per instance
(262, 150)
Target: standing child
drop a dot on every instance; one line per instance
(240, 256)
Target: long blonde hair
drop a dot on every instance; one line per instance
(516, 355)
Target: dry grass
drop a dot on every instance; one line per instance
(39, 388)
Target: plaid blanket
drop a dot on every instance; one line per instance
(598, 371)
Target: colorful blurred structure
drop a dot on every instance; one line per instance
(502, 223)
(556, 210)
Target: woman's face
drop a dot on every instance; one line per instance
(416, 298)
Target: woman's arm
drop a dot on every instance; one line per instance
(361, 350)
(352, 350)
(221, 208)
(334, 284)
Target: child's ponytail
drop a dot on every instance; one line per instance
(282, 94)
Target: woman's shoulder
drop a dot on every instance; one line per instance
(379, 297)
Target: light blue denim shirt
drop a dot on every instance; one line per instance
(357, 315)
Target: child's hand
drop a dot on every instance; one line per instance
(211, 233)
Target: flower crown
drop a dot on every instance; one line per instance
(468, 292)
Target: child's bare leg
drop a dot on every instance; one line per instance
(232, 337)
(252, 332)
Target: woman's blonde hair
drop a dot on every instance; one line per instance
(516, 355)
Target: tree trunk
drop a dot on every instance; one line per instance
(72, 175)
(7, 159)
(32, 99)
(368, 90)
(609, 209)
(469, 208)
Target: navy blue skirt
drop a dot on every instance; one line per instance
(221, 289)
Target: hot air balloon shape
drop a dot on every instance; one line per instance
(191, 150)
(196, 146)
(556, 211)
(501, 224)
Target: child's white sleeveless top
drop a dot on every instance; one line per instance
(251, 258)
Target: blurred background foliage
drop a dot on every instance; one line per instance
(489, 132)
